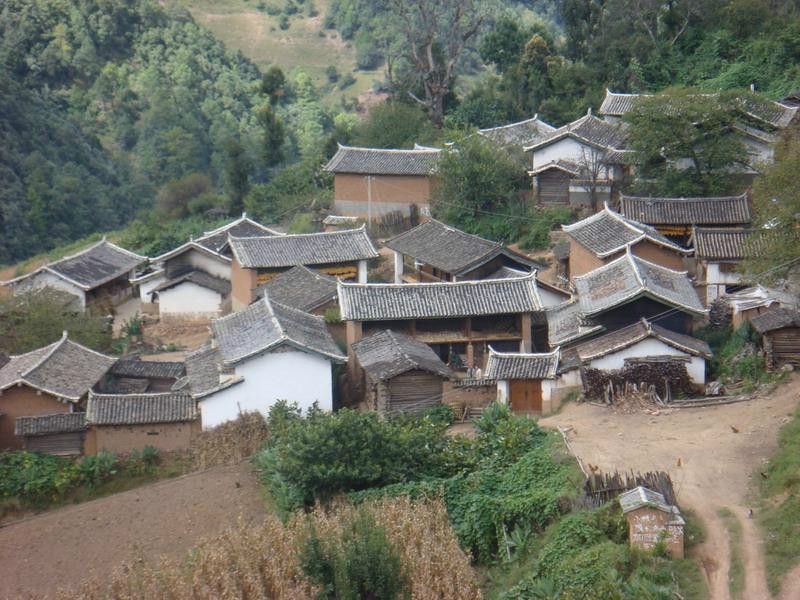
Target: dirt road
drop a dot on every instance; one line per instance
(60, 548)
(711, 465)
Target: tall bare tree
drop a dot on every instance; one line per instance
(435, 33)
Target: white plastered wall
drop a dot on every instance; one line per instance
(290, 375)
(189, 299)
(46, 279)
(569, 149)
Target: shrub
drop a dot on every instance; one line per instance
(98, 468)
(283, 22)
(543, 221)
(35, 479)
(441, 414)
(332, 73)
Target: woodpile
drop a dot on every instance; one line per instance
(642, 383)
(601, 487)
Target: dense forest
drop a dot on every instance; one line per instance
(114, 111)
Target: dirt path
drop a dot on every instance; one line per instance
(710, 453)
(60, 548)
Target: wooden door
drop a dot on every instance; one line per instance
(526, 395)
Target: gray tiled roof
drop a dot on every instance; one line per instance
(64, 369)
(513, 365)
(640, 497)
(775, 318)
(565, 324)
(379, 161)
(140, 409)
(215, 240)
(92, 267)
(301, 288)
(591, 130)
(720, 244)
(203, 369)
(338, 220)
(633, 334)
(630, 277)
(265, 325)
(303, 249)
(521, 133)
(567, 166)
(386, 354)
(135, 367)
(728, 210)
(201, 278)
(617, 105)
(50, 424)
(382, 302)
(507, 273)
(450, 249)
(607, 232)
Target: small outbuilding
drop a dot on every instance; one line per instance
(524, 381)
(402, 375)
(651, 520)
(60, 434)
(780, 332)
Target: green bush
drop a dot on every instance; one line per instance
(94, 470)
(543, 221)
(441, 414)
(36, 479)
(362, 564)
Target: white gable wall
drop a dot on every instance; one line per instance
(550, 298)
(148, 286)
(188, 299)
(289, 375)
(46, 279)
(203, 262)
(652, 347)
(571, 150)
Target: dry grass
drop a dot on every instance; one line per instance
(230, 442)
(261, 562)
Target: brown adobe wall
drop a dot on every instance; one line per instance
(581, 261)
(468, 397)
(659, 255)
(122, 439)
(389, 193)
(243, 282)
(23, 401)
(647, 525)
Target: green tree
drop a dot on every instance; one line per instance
(685, 144)
(237, 175)
(272, 84)
(175, 198)
(272, 136)
(394, 125)
(775, 246)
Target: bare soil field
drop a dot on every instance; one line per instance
(710, 453)
(60, 548)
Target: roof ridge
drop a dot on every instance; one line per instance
(507, 125)
(93, 394)
(54, 346)
(397, 150)
(683, 198)
(354, 284)
(363, 227)
(492, 351)
(397, 345)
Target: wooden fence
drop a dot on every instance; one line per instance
(602, 487)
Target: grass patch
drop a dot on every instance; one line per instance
(736, 572)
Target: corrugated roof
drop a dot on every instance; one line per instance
(450, 249)
(718, 244)
(386, 354)
(522, 133)
(726, 210)
(775, 318)
(607, 232)
(630, 277)
(265, 325)
(301, 288)
(303, 249)
(517, 365)
(140, 409)
(381, 302)
(625, 337)
(640, 497)
(380, 161)
(50, 424)
(64, 369)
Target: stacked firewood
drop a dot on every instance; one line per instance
(640, 382)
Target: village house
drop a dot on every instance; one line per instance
(580, 164)
(605, 236)
(457, 320)
(651, 520)
(645, 340)
(434, 251)
(401, 374)
(98, 277)
(780, 334)
(121, 423)
(676, 217)
(131, 375)
(526, 382)
(759, 122)
(718, 252)
(55, 379)
(256, 260)
(630, 288)
(379, 185)
(753, 301)
(193, 281)
(302, 288)
(259, 355)
(565, 326)
(518, 135)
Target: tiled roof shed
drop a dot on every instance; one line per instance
(514, 365)
(521, 133)
(135, 367)
(630, 277)
(64, 369)
(387, 354)
(727, 210)
(633, 334)
(201, 278)
(140, 409)
(265, 325)
(775, 318)
(718, 244)
(379, 161)
(450, 249)
(92, 267)
(607, 232)
(303, 249)
(301, 288)
(50, 424)
(382, 302)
